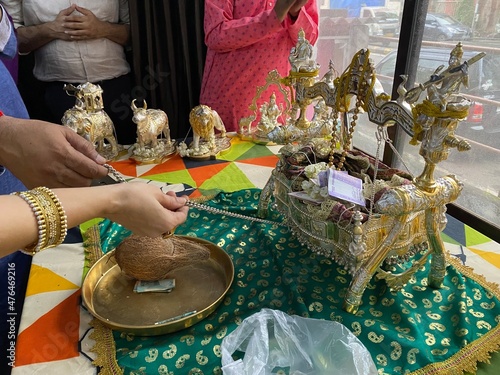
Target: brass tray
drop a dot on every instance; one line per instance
(108, 295)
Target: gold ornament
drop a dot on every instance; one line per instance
(88, 118)
(206, 144)
(151, 123)
(402, 221)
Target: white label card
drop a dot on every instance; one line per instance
(344, 186)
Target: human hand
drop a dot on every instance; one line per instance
(57, 28)
(292, 7)
(296, 6)
(41, 153)
(145, 209)
(85, 26)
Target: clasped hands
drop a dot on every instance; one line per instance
(77, 23)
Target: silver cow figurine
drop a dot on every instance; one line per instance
(150, 124)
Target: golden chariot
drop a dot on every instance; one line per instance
(404, 216)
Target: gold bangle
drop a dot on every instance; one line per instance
(61, 220)
(57, 220)
(41, 221)
(50, 216)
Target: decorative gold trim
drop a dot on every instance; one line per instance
(91, 245)
(479, 350)
(104, 348)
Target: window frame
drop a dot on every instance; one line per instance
(410, 42)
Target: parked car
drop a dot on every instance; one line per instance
(483, 122)
(442, 27)
(380, 21)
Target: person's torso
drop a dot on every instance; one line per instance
(76, 61)
(36, 12)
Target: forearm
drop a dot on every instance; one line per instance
(86, 203)
(30, 38)
(118, 33)
(142, 208)
(223, 33)
(16, 231)
(6, 139)
(19, 227)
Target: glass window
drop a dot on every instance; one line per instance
(349, 25)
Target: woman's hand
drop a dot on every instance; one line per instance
(296, 7)
(145, 209)
(142, 208)
(292, 7)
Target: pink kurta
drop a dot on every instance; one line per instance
(245, 42)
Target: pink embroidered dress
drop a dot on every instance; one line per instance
(245, 42)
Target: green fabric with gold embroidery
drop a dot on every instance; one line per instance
(404, 331)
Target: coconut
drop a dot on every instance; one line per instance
(149, 259)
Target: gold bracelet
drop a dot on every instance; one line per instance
(50, 216)
(56, 218)
(62, 219)
(41, 221)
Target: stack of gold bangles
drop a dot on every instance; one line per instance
(50, 216)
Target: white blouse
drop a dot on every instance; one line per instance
(5, 31)
(74, 61)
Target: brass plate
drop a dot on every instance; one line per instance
(108, 294)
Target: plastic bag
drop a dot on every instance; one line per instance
(272, 339)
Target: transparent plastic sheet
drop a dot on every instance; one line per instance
(271, 339)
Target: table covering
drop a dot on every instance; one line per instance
(54, 329)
